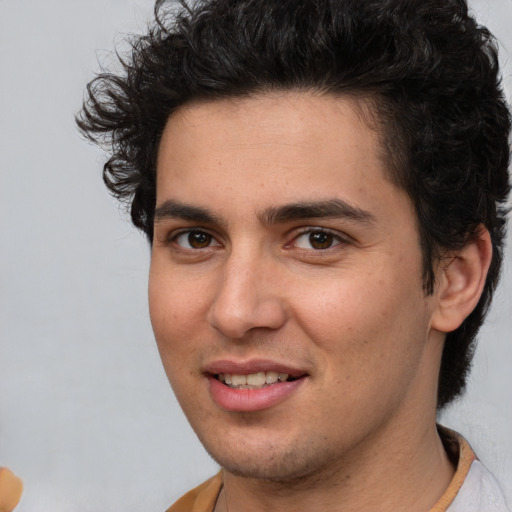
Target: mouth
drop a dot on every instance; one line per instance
(255, 385)
(257, 380)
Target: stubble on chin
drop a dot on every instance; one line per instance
(280, 469)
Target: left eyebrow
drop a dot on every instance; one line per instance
(176, 210)
(334, 208)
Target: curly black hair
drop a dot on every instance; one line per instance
(430, 71)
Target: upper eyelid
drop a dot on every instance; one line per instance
(291, 235)
(319, 229)
(172, 234)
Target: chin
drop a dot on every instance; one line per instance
(275, 464)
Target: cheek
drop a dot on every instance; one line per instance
(365, 321)
(341, 308)
(369, 345)
(176, 304)
(173, 320)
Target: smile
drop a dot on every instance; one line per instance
(257, 380)
(253, 385)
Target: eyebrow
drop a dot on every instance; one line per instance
(333, 208)
(171, 209)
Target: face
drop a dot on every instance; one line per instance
(286, 287)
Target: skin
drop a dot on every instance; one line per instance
(359, 432)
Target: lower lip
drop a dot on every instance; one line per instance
(250, 400)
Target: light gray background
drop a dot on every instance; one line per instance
(86, 415)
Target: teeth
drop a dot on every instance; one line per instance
(256, 379)
(271, 377)
(239, 380)
(253, 380)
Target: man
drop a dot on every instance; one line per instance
(323, 184)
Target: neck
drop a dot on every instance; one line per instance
(399, 472)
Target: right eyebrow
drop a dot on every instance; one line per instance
(333, 208)
(171, 209)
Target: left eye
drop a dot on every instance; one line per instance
(317, 240)
(195, 240)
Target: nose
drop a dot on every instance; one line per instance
(248, 298)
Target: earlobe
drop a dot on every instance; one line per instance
(461, 279)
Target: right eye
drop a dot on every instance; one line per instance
(195, 239)
(317, 239)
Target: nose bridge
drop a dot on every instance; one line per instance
(246, 297)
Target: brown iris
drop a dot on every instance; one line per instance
(199, 239)
(321, 240)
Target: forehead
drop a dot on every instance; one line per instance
(297, 114)
(271, 148)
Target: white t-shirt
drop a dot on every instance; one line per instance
(480, 492)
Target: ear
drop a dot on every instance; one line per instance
(460, 280)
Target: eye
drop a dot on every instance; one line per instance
(317, 239)
(195, 240)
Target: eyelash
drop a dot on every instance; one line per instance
(188, 234)
(334, 239)
(330, 239)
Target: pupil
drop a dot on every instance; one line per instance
(320, 240)
(199, 240)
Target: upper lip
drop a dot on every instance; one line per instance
(251, 366)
